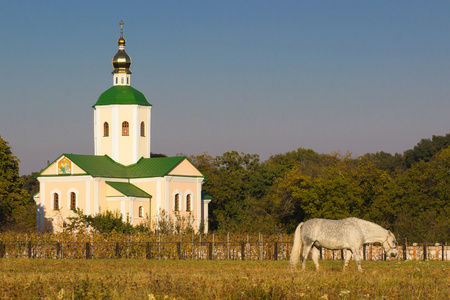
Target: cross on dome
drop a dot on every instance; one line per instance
(121, 62)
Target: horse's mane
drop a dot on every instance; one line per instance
(370, 228)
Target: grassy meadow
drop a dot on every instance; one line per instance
(172, 279)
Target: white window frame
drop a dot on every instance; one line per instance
(76, 198)
(189, 192)
(180, 200)
(52, 199)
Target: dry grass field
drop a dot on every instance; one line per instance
(171, 279)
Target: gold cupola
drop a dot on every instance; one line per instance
(121, 62)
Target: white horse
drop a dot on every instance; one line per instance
(349, 234)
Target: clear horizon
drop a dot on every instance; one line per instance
(259, 77)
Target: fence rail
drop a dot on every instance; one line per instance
(200, 250)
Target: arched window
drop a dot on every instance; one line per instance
(73, 201)
(188, 202)
(105, 129)
(125, 128)
(142, 129)
(55, 201)
(176, 205)
(141, 212)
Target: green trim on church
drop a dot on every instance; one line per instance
(122, 95)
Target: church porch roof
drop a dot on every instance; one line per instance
(128, 189)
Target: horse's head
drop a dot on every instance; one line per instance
(390, 245)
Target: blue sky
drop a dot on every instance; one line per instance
(262, 77)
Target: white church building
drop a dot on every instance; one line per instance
(121, 175)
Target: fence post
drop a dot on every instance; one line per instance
(117, 250)
(243, 250)
(228, 246)
(424, 251)
(364, 252)
(88, 250)
(261, 251)
(2, 249)
(281, 245)
(442, 251)
(213, 246)
(405, 252)
(275, 251)
(147, 251)
(179, 250)
(159, 246)
(58, 250)
(210, 256)
(192, 252)
(29, 250)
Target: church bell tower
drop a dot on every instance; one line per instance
(122, 115)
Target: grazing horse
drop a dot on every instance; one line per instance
(349, 234)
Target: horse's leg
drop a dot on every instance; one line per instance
(357, 259)
(315, 253)
(347, 257)
(305, 252)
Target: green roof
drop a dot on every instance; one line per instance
(128, 189)
(104, 166)
(154, 167)
(98, 166)
(206, 196)
(122, 94)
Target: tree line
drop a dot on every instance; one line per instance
(408, 193)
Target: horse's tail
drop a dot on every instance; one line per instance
(297, 248)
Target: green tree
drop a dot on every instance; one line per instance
(229, 181)
(234, 171)
(310, 161)
(425, 150)
(298, 169)
(283, 201)
(342, 187)
(30, 183)
(387, 162)
(422, 200)
(13, 198)
(243, 192)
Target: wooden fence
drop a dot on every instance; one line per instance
(194, 250)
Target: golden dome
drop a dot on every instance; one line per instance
(121, 41)
(121, 61)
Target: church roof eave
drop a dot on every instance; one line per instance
(105, 167)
